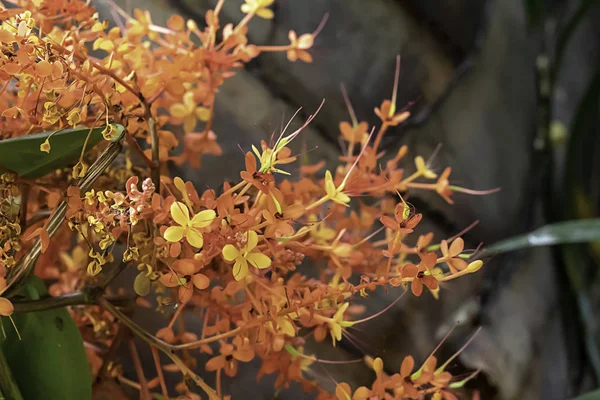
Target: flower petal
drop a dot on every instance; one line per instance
(169, 279)
(407, 366)
(252, 240)
(179, 110)
(259, 260)
(417, 287)
(409, 271)
(180, 213)
(457, 247)
(203, 218)
(6, 307)
(185, 293)
(194, 237)
(230, 252)
(201, 281)
(174, 233)
(240, 269)
(184, 267)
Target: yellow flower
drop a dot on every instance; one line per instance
(74, 117)
(45, 147)
(335, 194)
(245, 255)
(109, 132)
(259, 8)
(321, 233)
(423, 169)
(189, 228)
(188, 112)
(51, 115)
(337, 323)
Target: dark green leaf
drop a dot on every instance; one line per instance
(50, 360)
(22, 154)
(534, 11)
(579, 231)
(595, 395)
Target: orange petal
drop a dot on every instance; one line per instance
(6, 307)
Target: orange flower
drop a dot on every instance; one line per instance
(299, 45)
(183, 274)
(230, 355)
(450, 254)
(422, 274)
(354, 133)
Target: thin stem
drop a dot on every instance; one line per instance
(87, 297)
(154, 143)
(144, 390)
(166, 348)
(73, 299)
(159, 372)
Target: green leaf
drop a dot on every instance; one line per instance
(595, 395)
(142, 284)
(50, 360)
(534, 11)
(579, 231)
(23, 156)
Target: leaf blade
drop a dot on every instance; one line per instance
(22, 154)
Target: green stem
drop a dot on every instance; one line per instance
(89, 297)
(9, 389)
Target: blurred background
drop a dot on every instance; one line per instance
(507, 92)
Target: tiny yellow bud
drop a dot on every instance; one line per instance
(474, 266)
(378, 365)
(45, 147)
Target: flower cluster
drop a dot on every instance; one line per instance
(237, 258)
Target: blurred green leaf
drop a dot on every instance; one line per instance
(23, 156)
(565, 33)
(534, 11)
(579, 231)
(49, 360)
(595, 395)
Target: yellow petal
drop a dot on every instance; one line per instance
(259, 260)
(252, 240)
(194, 237)
(420, 163)
(265, 13)
(203, 218)
(188, 101)
(240, 269)
(174, 233)
(286, 326)
(180, 213)
(178, 110)
(341, 198)
(189, 123)
(336, 333)
(230, 252)
(203, 113)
